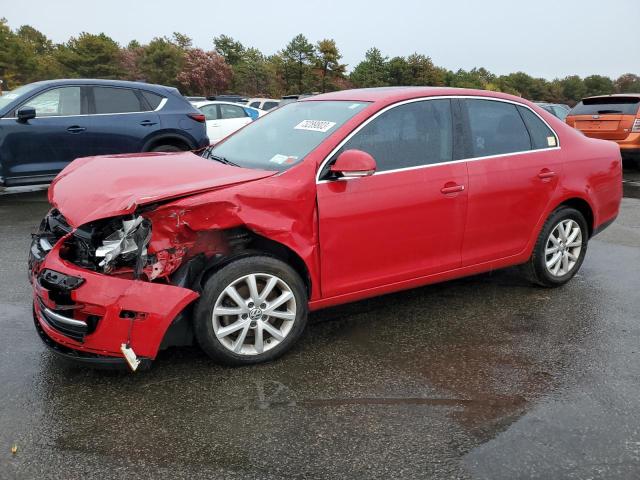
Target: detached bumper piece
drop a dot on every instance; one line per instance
(85, 358)
(87, 316)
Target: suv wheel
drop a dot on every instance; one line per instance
(559, 250)
(251, 311)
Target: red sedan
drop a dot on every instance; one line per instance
(324, 201)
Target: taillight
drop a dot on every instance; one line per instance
(198, 117)
(636, 126)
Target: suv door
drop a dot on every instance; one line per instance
(406, 220)
(121, 120)
(37, 149)
(514, 168)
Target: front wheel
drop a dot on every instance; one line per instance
(559, 250)
(251, 311)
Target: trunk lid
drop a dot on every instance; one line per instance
(100, 187)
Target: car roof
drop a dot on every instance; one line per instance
(96, 81)
(398, 94)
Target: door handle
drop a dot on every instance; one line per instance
(147, 123)
(214, 124)
(546, 174)
(448, 188)
(76, 129)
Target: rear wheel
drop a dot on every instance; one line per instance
(559, 250)
(251, 311)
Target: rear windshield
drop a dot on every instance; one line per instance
(605, 105)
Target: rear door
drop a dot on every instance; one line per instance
(121, 120)
(41, 147)
(607, 118)
(514, 167)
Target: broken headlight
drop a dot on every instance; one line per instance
(126, 244)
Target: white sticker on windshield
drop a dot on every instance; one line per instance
(551, 141)
(315, 125)
(283, 159)
(10, 96)
(353, 106)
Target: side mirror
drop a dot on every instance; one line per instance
(354, 163)
(26, 113)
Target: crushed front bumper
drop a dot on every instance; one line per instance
(86, 316)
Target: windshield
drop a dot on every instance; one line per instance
(13, 94)
(604, 105)
(285, 136)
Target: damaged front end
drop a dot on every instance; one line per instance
(143, 253)
(106, 288)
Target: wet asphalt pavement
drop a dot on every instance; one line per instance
(481, 378)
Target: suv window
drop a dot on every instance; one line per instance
(255, 104)
(410, 135)
(116, 100)
(210, 112)
(541, 135)
(57, 102)
(269, 105)
(231, 111)
(496, 128)
(153, 99)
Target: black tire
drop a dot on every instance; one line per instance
(220, 280)
(168, 148)
(535, 270)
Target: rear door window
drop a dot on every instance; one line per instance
(496, 128)
(541, 135)
(410, 135)
(232, 111)
(57, 102)
(116, 100)
(255, 104)
(607, 105)
(269, 105)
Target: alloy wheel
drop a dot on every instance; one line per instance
(254, 313)
(563, 247)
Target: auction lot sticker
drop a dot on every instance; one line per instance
(315, 125)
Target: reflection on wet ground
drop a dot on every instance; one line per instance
(485, 377)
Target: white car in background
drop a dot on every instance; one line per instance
(224, 118)
(263, 103)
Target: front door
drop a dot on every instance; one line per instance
(39, 148)
(405, 221)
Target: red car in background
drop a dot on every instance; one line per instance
(336, 198)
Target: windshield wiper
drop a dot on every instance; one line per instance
(218, 158)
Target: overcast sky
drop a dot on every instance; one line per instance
(546, 38)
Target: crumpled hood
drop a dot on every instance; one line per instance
(92, 188)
